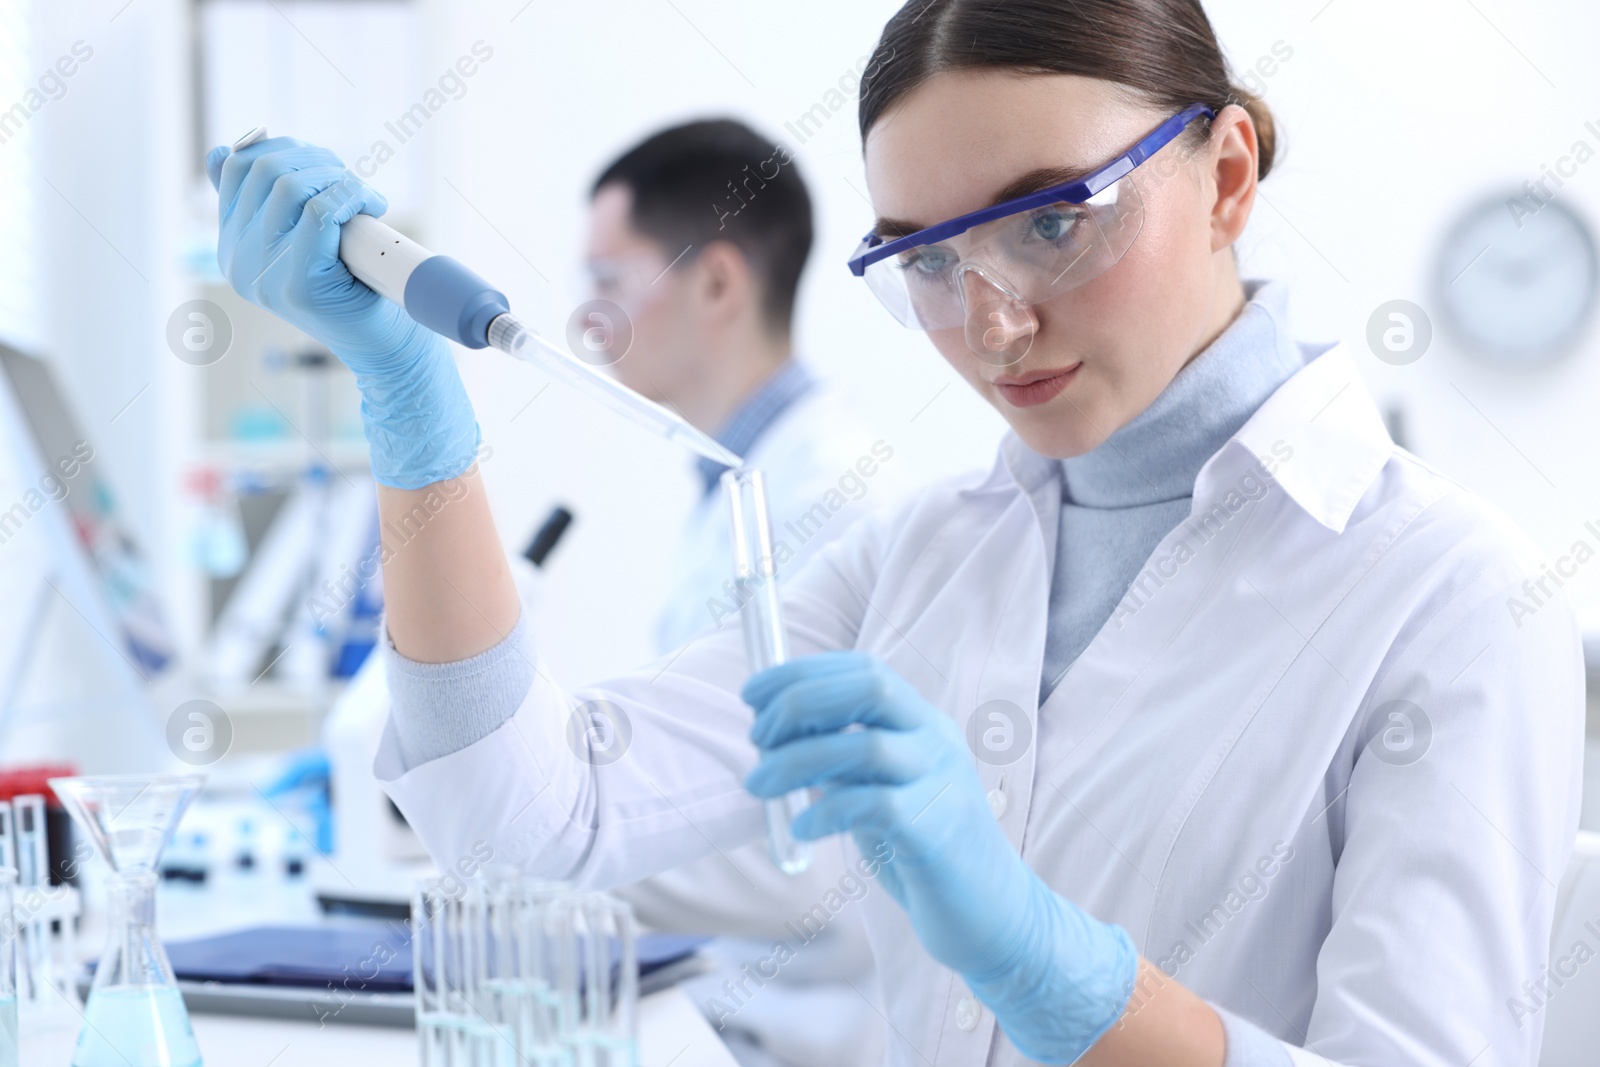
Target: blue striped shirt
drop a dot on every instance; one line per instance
(760, 410)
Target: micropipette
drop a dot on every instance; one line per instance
(450, 300)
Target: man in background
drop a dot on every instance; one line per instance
(698, 238)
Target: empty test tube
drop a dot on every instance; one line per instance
(43, 918)
(607, 1033)
(8, 836)
(10, 1030)
(451, 1027)
(755, 580)
(33, 864)
(33, 881)
(524, 1000)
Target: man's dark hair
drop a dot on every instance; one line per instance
(719, 180)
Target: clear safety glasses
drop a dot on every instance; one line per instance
(629, 282)
(1020, 252)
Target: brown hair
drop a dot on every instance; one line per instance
(1164, 51)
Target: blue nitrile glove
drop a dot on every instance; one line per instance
(311, 770)
(280, 205)
(1055, 977)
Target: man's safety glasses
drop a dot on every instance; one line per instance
(1022, 251)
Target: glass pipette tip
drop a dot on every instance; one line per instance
(513, 338)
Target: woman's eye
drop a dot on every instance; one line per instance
(927, 261)
(1050, 225)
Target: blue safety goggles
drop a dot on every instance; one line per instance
(1025, 250)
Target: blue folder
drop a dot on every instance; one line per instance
(370, 955)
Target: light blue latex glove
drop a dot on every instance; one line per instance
(280, 205)
(1055, 977)
(309, 770)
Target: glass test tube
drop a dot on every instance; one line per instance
(33, 880)
(8, 836)
(426, 976)
(451, 1029)
(10, 1056)
(755, 580)
(31, 843)
(522, 1002)
(603, 930)
(44, 916)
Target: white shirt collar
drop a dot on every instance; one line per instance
(1323, 414)
(1338, 440)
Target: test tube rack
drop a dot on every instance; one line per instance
(46, 919)
(510, 970)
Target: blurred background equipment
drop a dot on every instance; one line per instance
(79, 581)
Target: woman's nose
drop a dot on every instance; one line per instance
(999, 327)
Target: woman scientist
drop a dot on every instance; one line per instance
(1195, 730)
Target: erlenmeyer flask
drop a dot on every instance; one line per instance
(135, 1016)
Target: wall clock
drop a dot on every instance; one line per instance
(1517, 282)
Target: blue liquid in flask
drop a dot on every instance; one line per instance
(8, 1030)
(136, 1026)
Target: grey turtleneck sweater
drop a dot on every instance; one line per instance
(1121, 499)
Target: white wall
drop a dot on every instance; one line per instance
(111, 160)
(1398, 116)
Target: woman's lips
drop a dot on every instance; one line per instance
(1040, 391)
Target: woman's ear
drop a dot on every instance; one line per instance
(1235, 163)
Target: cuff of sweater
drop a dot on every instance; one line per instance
(441, 708)
(1249, 1045)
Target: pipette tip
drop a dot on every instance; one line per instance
(709, 448)
(510, 336)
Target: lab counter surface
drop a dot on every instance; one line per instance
(671, 1031)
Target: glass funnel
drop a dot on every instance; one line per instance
(135, 1016)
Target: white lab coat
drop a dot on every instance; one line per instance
(1225, 771)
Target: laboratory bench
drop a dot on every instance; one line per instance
(671, 1031)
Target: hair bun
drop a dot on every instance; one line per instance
(1266, 126)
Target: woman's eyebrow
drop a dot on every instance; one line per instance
(1037, 180)
(893, 229)
(1031, 182)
